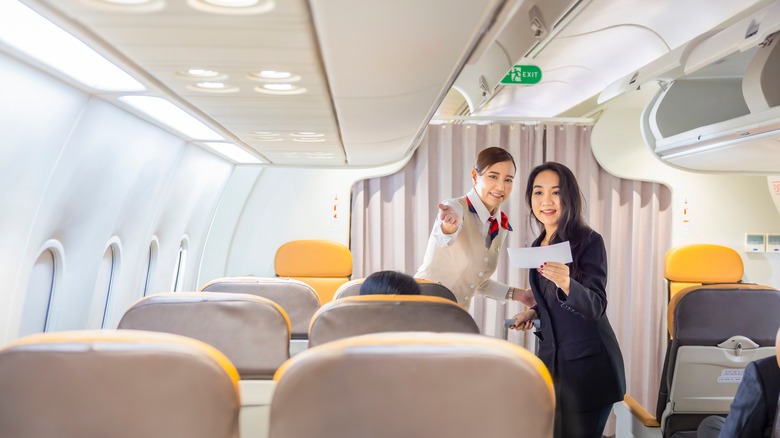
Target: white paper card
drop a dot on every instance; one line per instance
(534, 257)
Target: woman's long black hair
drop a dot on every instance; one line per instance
(571, 225)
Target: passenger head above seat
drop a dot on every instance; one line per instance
(389, 283)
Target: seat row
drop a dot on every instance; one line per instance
(716, 325)
(127, 383)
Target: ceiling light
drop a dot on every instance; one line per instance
(264, 133)
(134, 6)
(273, 76)
(309, 140)
(172, 116)
(212, 87)
(234, 152)
(280, 89)
(233, 7)
(266, 138)
(307, 134)
(200, 74)
(37, 37)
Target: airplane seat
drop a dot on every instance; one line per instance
(692, 265)
(365, 314)
(348, 289)
(715, 326)
(427, 288)
(776, 428)
(715, 331)
(297, 298)
(413, 385)
(116, 383)
(433, 289)
(322, 264)
(253, 332)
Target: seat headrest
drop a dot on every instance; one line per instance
(427, 288)
(349, 289)
(118, 383)
(253, 332)
(703, 263)
(313, 258)
(413, 384)
(363, 314)
(298, 299)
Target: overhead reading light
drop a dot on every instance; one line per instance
(199, 74)
(234, 152)
(307, 134)
(33, 35)
(172, 116)
(131, 6)
(233, 7)
(212, 87)
(273, 76)
(281, 89)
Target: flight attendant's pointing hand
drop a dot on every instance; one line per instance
(451, 220)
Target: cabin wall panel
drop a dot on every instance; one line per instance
(283, 204)
(187, 208)
(82, 172)
(38, 114)
(706, 207)
(287, 204)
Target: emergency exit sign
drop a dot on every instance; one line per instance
(523, 75)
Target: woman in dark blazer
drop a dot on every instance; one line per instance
(577, 342)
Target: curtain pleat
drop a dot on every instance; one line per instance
(392, 218)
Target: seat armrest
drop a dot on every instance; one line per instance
(640, 413)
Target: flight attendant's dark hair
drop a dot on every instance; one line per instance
(389, 283)
(490, 156)
(571, 224)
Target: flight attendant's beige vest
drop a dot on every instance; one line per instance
(467, 264)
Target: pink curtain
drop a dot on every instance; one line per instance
(392, 218)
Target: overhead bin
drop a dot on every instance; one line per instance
(525, 24)
(721, 110)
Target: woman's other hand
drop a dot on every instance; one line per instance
(525, 296)
(450, 219)
(524, 320)
(558, 273)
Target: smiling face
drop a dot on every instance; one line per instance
(494, 184)
(546, 200)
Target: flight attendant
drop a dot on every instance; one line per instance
(577, 343)
(469, 231)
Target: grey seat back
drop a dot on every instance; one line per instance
(427, 288)
(391, 385)
(297, 298)
(352, 316)
(116, 383)
(776, 429)
(253, 332)
(715, 331)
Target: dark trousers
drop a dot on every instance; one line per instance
(710, 427)
(587, 424)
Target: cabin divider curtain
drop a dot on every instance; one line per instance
(393, 216)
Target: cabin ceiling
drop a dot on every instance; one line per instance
(374, 73)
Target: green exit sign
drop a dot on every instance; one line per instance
(523, 75)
